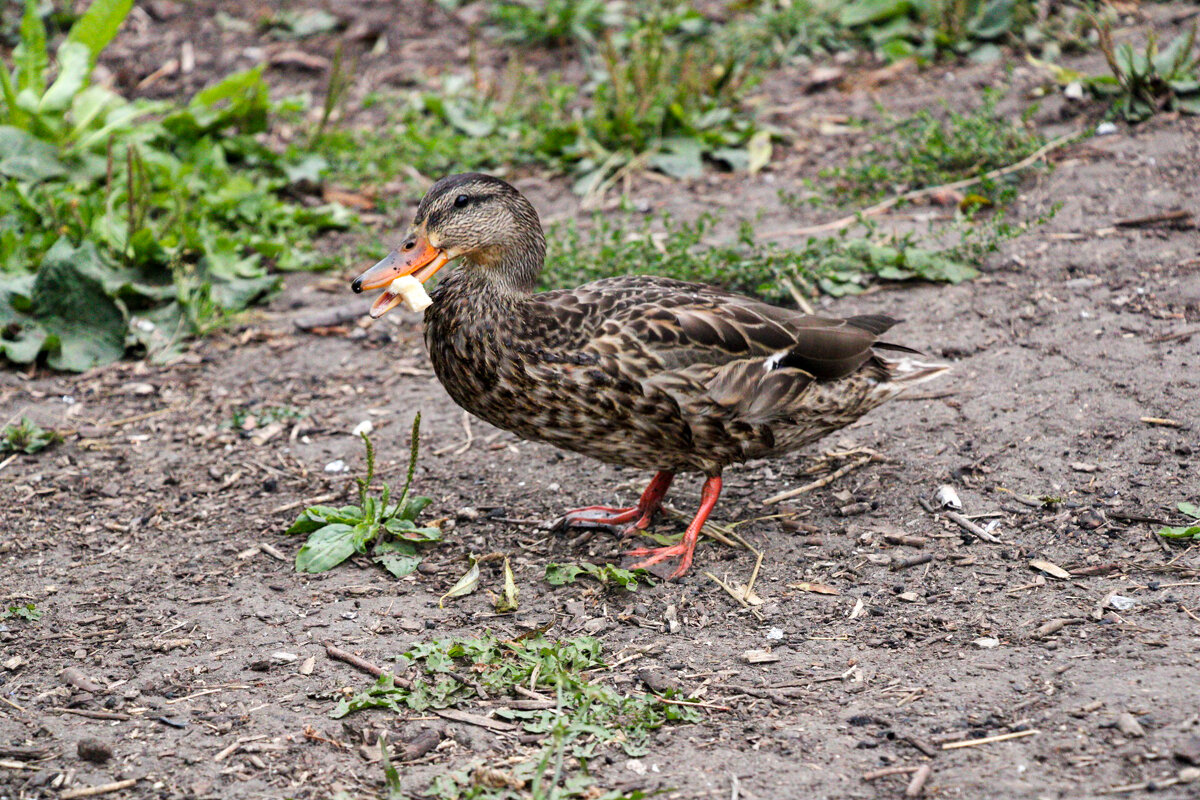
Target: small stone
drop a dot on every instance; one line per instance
(362, 428)
(283, 658)
(1106, 129)
(775, 634)
(337, 465)
(987, 642)
(94, 750)
(909, 597)
(1121, 603)
(1189, 751)
(1128, 725)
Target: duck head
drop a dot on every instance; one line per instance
(478, 218)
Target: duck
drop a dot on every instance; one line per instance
(639, 371)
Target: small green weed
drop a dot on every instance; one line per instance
(1185, 532)
(607, 574)
(588, 716)
(925, 150)
(28, 612)
(246, 419)
(134, 224)
(335, 534)
(1144, 82)
(553, 23)
(26, 436)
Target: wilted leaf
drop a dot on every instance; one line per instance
(816, 588)
(507, 602)
(466, 584)
(1189, 509)
(1050, 569)
(759, 150)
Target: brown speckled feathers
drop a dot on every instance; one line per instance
(655, 373)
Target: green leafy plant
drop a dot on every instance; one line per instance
(837, 265)
(1184, 532)
(553, 23)
(135, 224)
(335, 534)
(1148, 80)
(596, 714)
(926, 150)
(28, 612)
(607, 574)
(26, 436)
(931, 29)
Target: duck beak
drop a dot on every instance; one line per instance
(416, 257)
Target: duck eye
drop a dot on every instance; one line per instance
(461, 201)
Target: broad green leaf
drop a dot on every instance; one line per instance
(679, 158)
(398, 558)
(507, 602)
(465, 585)
(326, 548)
(1190, 509)
(1190, 532)
(992, 19)
(30, 59)
(315, 517)
(99, 24)
(866, 12)
(24, 157)
(85, 327)
(365, 532)
(562, 574)
(73, 69)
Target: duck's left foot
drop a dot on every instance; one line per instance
(687, 546)
(683, 550)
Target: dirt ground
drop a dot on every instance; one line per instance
(150, 538)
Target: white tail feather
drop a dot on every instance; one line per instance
(908, 372)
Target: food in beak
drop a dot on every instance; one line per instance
(403, 271)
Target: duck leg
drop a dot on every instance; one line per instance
(608, 516)
(687, 546)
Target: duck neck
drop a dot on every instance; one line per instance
(511, 271)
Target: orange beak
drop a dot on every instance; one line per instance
(416, 257)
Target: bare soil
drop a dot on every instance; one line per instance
(149, 536)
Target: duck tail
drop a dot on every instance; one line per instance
(905, 372)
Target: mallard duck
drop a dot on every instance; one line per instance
(635, 370)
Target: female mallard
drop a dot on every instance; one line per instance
(640, 371)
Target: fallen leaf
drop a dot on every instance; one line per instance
(759, 150)
(815, 588)
(466, 584)
(1050, 569)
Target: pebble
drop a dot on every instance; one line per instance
(1106, 129)
(337, 466)
(94, 750)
